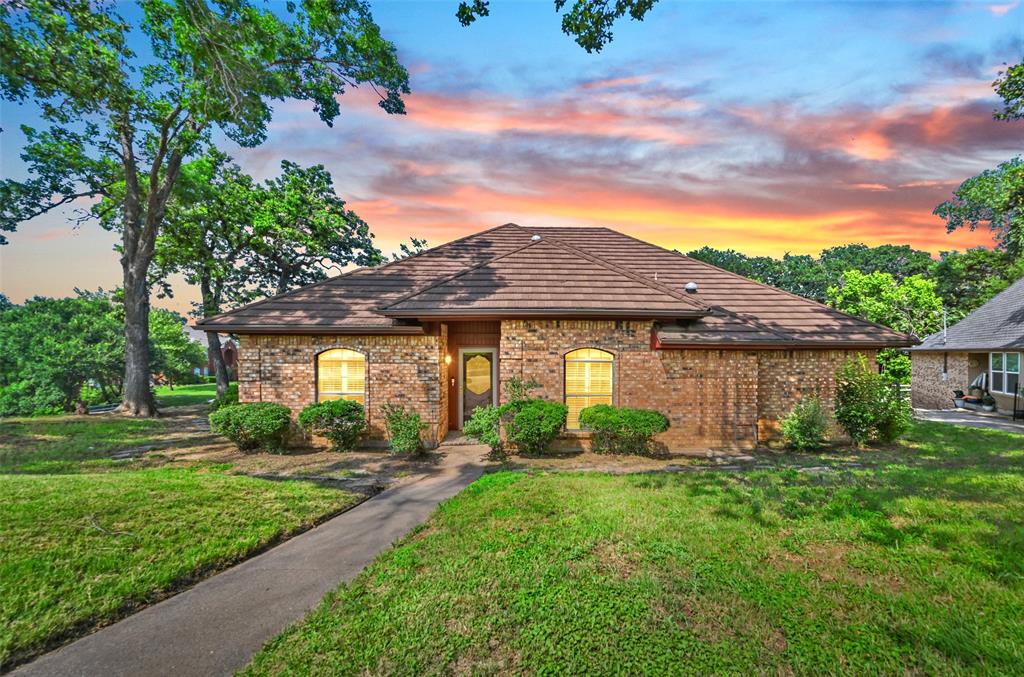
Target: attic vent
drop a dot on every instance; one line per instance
(691, 287)
(535, 238)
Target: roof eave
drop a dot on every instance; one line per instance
(669, 344)
(313, 329)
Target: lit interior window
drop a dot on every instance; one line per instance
(588, 381)
(341, 375)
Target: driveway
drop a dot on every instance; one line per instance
(217, 626)
(970, 419)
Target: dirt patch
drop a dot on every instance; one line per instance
(830, 563)
(615, 558)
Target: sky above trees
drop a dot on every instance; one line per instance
(763, 127)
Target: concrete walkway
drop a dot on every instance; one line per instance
(971, 419)
(217, 626)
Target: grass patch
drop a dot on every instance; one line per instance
(914, 563)
(180, 396)
(81, 550)
(60, 443)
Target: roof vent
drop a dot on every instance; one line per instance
(691, 287)
(535, 238)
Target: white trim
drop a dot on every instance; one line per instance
(461, 381)
(1004, 371)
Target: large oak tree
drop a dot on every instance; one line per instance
(121, 122)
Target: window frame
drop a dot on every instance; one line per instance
(346, 394)
(1003, 372)
(565, 380)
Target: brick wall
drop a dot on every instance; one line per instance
(928, 390)
(402, 369)
(713, 398)
(718, 399)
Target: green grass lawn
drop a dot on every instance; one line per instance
(77, 550)
(179, 396)
(914, 563)
(47, 444)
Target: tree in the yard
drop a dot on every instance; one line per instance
(899, 260)
(995, 198)
(412, 248)
(911, 306)
(174, 355)
(207, 231)
(300, 228)
(968, 279)
(51, 348)
(121, 123)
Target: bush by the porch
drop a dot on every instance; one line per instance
(340, 421)
(404, 427)
(229, 397)
(536, 424)
(622, 430)
(258, 425)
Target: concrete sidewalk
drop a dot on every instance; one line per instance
(217, 626)
(971, 419)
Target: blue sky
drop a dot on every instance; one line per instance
(763, 126)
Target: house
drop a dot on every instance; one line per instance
(984, 347)
(228, 349)
(593, 315)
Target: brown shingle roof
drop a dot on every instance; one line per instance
(569, 272)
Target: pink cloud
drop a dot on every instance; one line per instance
(1003, 9)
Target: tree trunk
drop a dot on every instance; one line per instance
(216, 354)
(138, 396)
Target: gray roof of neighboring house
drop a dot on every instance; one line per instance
(997, 325)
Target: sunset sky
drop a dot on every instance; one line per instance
(765, 127)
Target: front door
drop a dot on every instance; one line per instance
(477, 387)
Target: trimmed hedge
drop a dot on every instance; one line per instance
(536, 424)
(622, 430)
(340, 421)
(258, 425)
(404, 426)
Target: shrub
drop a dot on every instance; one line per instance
(483, 426)
(253, 426)
(340, 421)
(806, 425)
(622, 430)
(229, 397)
(535, 425)
(404, 426)
(868, 406)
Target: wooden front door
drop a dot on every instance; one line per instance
(477, 387)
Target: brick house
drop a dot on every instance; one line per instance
(593, 315)
(984, 347)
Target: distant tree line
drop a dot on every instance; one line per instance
(57, 355)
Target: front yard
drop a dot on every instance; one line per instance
(912, 562)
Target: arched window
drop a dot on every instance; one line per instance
(341, 375)
(588, 381)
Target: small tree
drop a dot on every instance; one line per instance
(869, 407)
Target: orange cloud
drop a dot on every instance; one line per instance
(493, 115)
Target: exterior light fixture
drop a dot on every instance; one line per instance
(447, 359)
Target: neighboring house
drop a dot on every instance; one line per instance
(228, 349)
(591, 314)
(988, 343)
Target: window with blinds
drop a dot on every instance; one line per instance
(588, 381)
(341, 375)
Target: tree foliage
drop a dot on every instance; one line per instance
(121, 123)
(911, 306)
(588, 22)
(994, 199)
(175, 355)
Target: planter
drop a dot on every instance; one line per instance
(958, 402)
(988, 407)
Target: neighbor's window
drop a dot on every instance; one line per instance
(588, 381)
(341, 375)
(1004, 372)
